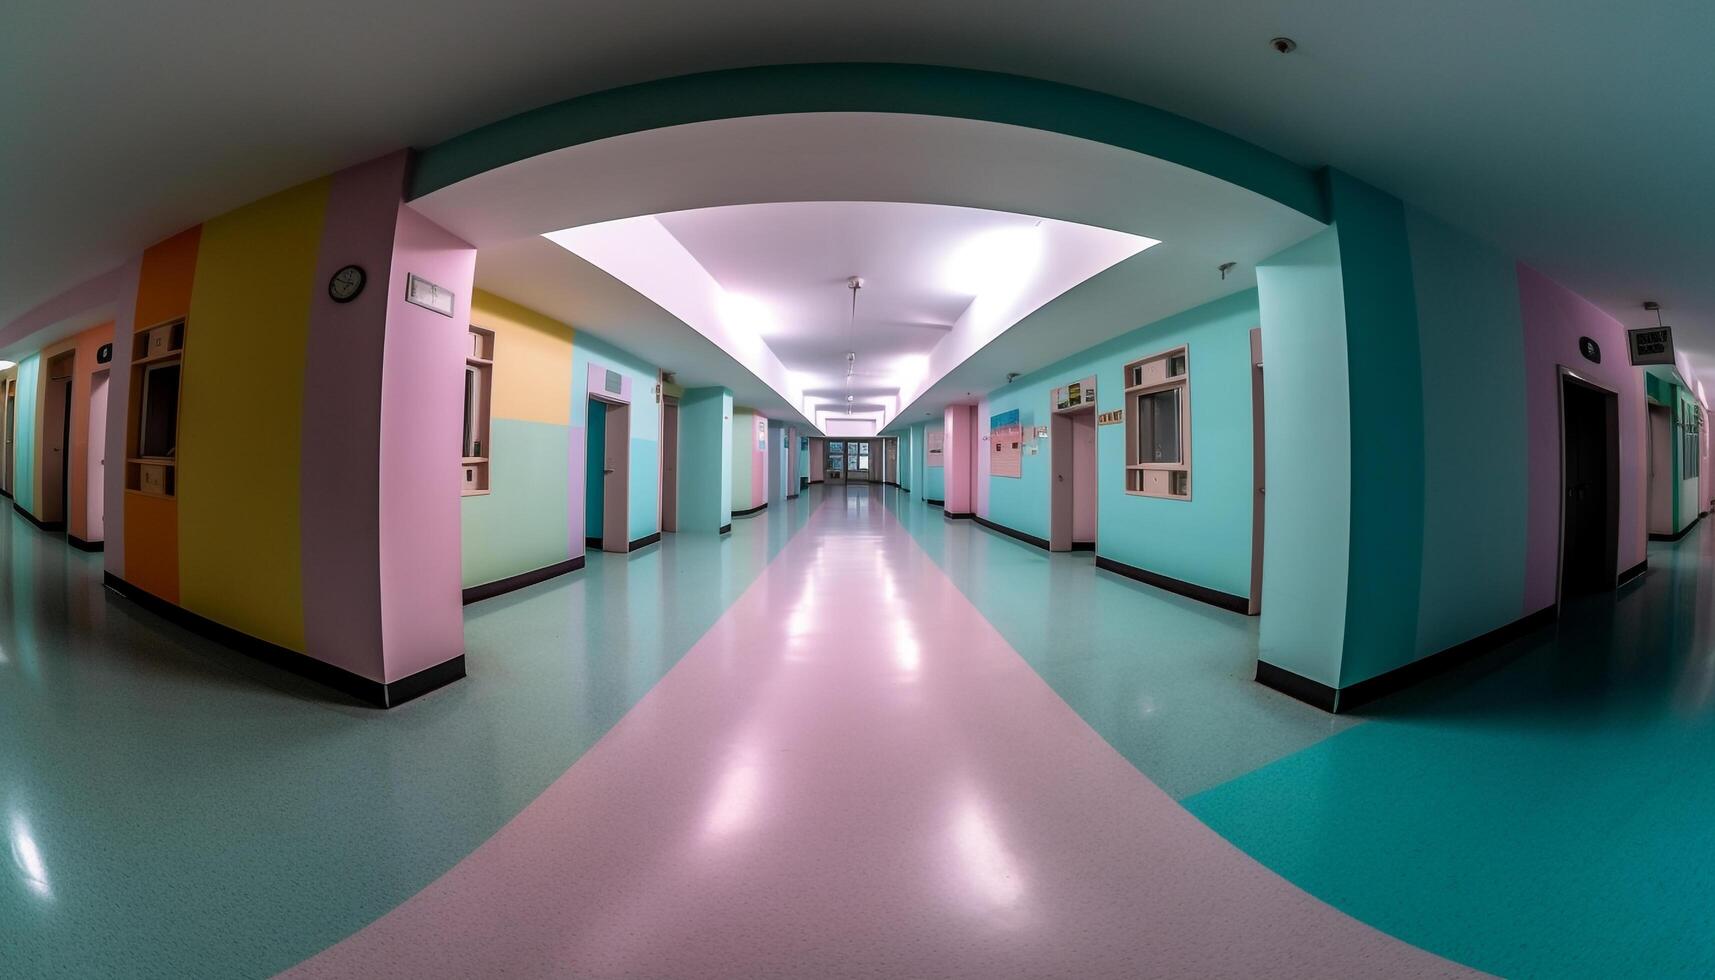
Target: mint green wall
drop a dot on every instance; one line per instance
(644, 498)
(1476, 488)
(803, 451)
(1205, 540)
(705, 459)
(1687, 506)
(521, 524)
(24, 434)
(1306, 414)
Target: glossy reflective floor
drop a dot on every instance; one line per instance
(849, 739)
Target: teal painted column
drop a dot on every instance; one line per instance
(1385, 373)
(1343, 406)
(705, 459)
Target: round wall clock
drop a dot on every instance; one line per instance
(346, 284)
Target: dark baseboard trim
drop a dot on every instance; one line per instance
(1357, 695)
(1682, 532)
(803, 482)
(6, 493)
(953, 515)
(759, 508)
(726, 528)
(1083, 546)
(1632, 573)
(372, 692)
(890, 483)
(592, 543)
(1313, 693)
(512, 583)
(50, 526)
(1189, 590)
(810, 482)
(931, 501)
(643, 542)
(791, 496)
(82, 545)
(1013, 533)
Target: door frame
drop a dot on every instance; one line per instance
(616, 479)
(1259, 472)
(1569, 375)
(669, 464)
(1063, 456)
(1660, 485)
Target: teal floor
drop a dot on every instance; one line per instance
(174, 810)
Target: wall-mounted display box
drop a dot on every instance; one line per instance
(152, 430)
(1158, 425)
(478, 393)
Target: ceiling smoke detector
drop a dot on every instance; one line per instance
(1283, 45)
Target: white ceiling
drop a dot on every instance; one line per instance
(793, 260)
(1574, 134)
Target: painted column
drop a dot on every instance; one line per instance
(959, 459)
(705, 459)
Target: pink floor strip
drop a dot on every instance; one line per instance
(853, 775)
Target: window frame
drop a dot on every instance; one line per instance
(1166, 371)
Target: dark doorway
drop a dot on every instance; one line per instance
(1590, 484)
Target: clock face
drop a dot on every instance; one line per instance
(346, 284)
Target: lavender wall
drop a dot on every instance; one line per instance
(1554, 319)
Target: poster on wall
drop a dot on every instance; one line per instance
(1006, 437)
(932, 447)
(1075, 395)
(761, 434)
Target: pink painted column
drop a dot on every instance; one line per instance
(422, 409)
(959, 452)
(341, 451)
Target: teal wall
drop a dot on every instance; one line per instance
(595, 461)
(521, 524)
(24, 434)
(803, 451)
(705, 459)
(1386, 425)
(1306, 414)
(1205, 540)
(1476, 477)
(644, 498)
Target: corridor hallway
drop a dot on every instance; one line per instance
(852, 738)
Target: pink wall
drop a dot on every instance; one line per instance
(342, 422)
(1554, 318)
(422, 410)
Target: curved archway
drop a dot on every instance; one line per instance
(906, 89)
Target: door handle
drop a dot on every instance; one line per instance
(605, 472)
